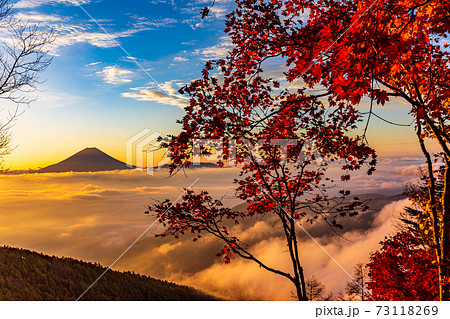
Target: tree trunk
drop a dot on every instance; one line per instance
(303, 285)
(444, 264)
(299, 267)
(444, 289)
(362, 285)
(301, 294)
(441, 224)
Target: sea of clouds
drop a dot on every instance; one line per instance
(96, 216)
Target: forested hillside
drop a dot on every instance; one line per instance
(27, 275)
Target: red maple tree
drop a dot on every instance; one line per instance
(374, 49)
(340, 52)
(289, 186)
(277, 137)
(403, 269)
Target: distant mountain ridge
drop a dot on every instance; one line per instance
(27, 275)
(90, 159)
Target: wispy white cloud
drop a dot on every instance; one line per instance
(165, 93)
(155, 23)
(38, 3)
(73, 34)
(192, 42)
(115, 75)
(153, 95)
(219, 11)
(172, 2)
(180, 59)
(93, 63)
(217, 51)
(38, 17)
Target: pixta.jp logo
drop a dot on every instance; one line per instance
(145, 152)
(141, 151)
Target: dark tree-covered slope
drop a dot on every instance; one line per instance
(27, 275)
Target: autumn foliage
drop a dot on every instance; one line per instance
(283, 141)
(403, 269)
(371, 52)
(336, 55)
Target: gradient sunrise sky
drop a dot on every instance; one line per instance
(112, 77)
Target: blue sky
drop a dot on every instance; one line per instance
(112, 77)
